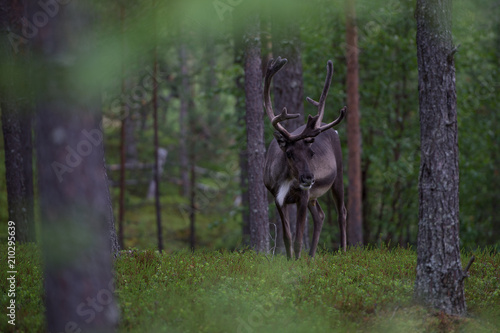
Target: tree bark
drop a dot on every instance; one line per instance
(287, 84)
(123, 130)
(239, 58)
(110, 217)
(258, 214)
(192, 202)
(16, 123)
(73, 187)
(159, 231)
(354, 207)
(245, 200)
(289, 93)
(185, 95)
(439, 280)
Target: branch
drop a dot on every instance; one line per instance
(275, 235)
(452, 53)
(465, 273)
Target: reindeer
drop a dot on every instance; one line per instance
(303, 165)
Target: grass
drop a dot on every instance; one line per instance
(367, 290)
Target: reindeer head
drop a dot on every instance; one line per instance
(298, 146)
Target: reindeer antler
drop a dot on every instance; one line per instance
(273, 67)
(313, 125)
(321, 104)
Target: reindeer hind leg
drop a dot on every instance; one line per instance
(338, 198)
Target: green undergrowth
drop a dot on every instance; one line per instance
(368, 290)
(216, 225)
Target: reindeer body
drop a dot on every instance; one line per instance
(302, 166)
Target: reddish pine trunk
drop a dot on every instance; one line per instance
(354, 208)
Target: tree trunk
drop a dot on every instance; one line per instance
(73, 186)
(192, 202)
(354, 208)
(16, 127)
(288, 85)
(185, 95)
(123, 130)
(110, 217)
(156, 172)
(288, 92)
(16, 123)
(367, 227)
(245, 201)
(239, 55)
(439, 281)
(121, 197)
(259, 220)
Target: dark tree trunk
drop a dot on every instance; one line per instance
(288, 85)
(130, 123)
(123, 129)
(211, 81)
(156, 173)
(185, 95)
(439, 281)
(16, 123)
(192, 202)
(239, 55)
(288, 91)
(16, 127)
(73, 187)
(495, 155)
(367, 228)
(245, 201)
(110, 218)
(354, 206)
(121, 196)
(258, 213)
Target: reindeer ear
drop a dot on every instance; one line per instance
(280, 139)
(309, 141)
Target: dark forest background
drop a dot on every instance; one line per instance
(196, 46)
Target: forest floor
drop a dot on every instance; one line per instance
(363, 290)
